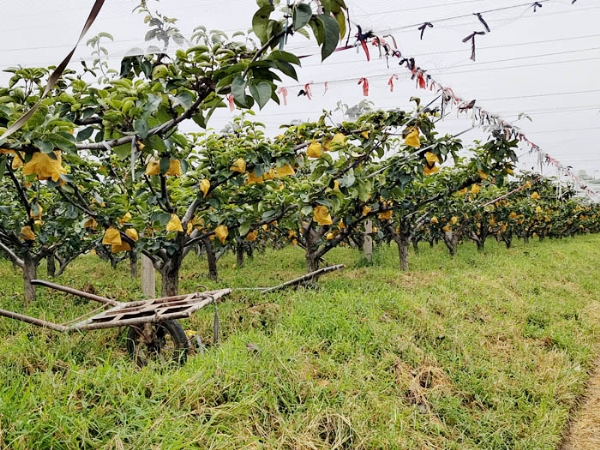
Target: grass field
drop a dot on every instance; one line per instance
(487, 351)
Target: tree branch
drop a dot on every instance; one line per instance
(189, 214)
(22, 196)
(12, 256)
(264, 48)
(203, 92)
(165, 194)
(76, 205)
(163, 207)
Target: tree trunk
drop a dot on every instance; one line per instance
(507, 238)
(170, 278)
(29, 273)
(415, 243)
(403, 242)
(133, 264)
(312, 262)
(51, 265)
(451, 240)
(480, 245)
(311, 248)
(211, 259)
(479, 241)
(239, 255)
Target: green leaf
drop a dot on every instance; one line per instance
(163, 114)
(238, 90)
(184, 166)
(141, 128)
(5, 111)
(71, 212)
(326, 4)
(44, 146)
(245, 228)
(85, 134)
(301, 15)
(268, 215)
(304, 33)
(331, 35)
(155, 143)
(185, 99)
(261, 93)
(280, 55)
(199, 120)
(318, 29)
(287, 69)
(164, 164)
(273, 29)
(122, 151)
(162, 218)
(67, 178)
(348, 179)
(150, 35)
(341, 4)
(106, 35)
(363, 191)
(151, 105)
(260, 22)
(340, 17)
(62, 142)
(317, 172)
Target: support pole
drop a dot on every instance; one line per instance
(368, 240)
(148, 277)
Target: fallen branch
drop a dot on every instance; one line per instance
(308, 277)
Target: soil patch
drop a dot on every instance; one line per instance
(584, 428)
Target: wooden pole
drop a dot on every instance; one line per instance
(148, 278)
(368, 240)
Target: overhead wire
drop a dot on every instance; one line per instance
(519, 58)
(447, 19)
(520, 66)
(419, 55)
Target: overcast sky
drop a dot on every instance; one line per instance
(544, 64)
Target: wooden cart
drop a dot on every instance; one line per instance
(154, 332)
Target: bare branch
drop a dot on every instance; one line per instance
(12, 256)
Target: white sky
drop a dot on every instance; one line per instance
(544, 64)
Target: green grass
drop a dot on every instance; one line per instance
(485, 351)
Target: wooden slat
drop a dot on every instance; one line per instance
(117, 317)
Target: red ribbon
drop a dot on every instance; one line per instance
(307, 91)
(391, 82)
(421, 79)
(283, 91)
(365, 86)
(231, 100)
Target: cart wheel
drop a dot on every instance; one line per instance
(164, 341)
